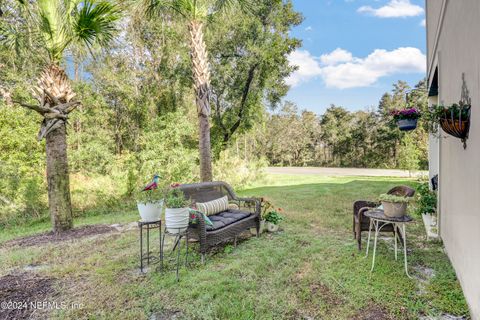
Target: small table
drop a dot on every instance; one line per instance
(149, 225)
(178, 234)
(378, 219)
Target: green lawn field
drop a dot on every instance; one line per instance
(309, 270)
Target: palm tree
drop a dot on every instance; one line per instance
(56, 26)
(195, 13)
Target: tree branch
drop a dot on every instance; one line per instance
(67, 107)
(243, 103)
(218, 112)
(38, 109)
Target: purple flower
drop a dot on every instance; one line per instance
(410, 113)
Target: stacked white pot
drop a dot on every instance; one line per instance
(176, 219)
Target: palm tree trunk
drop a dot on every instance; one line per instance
(58, 180)
(55, 96)
(201, 77)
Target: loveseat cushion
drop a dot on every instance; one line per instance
(226, 218)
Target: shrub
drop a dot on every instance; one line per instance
(236, 171)
(32, 195)
(426, 199)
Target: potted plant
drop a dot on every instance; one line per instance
(426, 205)
(176, 211)
(265, 205)
(150, 204)
(454, 120)
(406, 118)
(273, 219)
(394, 206)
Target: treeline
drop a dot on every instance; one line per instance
(341, 138)
(137, 115)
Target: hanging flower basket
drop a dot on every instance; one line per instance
(454, 120)
(407, 124)
(406, 118)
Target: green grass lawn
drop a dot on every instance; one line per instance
(312, 269)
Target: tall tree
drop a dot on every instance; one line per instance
(196, 13)
(53, 27)
(249, 66)
(336, 132)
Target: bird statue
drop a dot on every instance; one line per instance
(154, 184)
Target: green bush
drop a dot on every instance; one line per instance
(426, 199)
(237, 171)
(34, 197)
(168, 148)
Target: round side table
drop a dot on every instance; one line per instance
(378, 220)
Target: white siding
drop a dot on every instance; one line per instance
(458, 51)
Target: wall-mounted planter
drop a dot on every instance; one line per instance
(457, 123)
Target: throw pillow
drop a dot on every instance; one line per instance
(233, 206)
(193, 217)
(214, 206)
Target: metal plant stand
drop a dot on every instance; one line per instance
(378, 220)
(175, 254)
(151, 225)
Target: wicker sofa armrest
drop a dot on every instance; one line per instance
(201, 228)
(253, 202)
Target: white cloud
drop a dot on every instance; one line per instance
(423, 23)
(378, 64)
(394, 9)
(336, 56)
(308, 67)
(339, 69)
(309, 28)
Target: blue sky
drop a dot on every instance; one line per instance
(354, 50)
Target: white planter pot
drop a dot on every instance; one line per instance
(394, 209)
(253, 231)
(271, 227)
(151, 211)
(176, 219)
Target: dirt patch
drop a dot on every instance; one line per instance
(316, 289)
(373, 312)
(330, 298)
(304, 271)
(49, 237)
(19, 293)
(167, 315)
(302, 243)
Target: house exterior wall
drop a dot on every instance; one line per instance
(454, 47)
(433, 150)
(434, 10)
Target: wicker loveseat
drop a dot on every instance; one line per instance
(227, 225)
